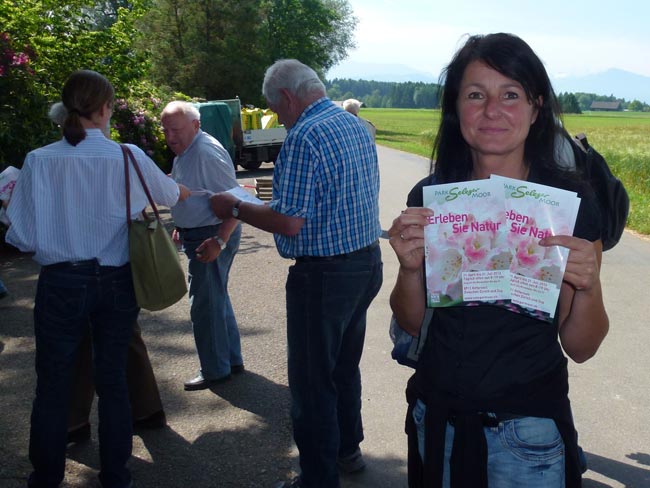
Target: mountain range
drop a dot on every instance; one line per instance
(619, 83)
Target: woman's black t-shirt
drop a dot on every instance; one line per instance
(481, 355)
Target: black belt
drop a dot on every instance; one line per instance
(185, 229)
(490, 420)
(338, 257)
(73, 264)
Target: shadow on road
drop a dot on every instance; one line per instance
(627, 475)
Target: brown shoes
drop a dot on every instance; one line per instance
(156, 420)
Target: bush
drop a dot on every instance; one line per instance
(133, 122)
(136, 120)
(23, 107)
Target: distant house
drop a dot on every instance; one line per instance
(606, 106)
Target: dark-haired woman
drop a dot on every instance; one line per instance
(488, 404)
(69, 209)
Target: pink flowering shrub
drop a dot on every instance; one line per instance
(137, 121)
(11, 60)
(23, 106)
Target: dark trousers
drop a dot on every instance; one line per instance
(143, 389)
(68, 299)
(326, 325)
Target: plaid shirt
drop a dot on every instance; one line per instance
(327, 173)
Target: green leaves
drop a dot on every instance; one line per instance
(210, 49)
(220, 49)
(60, 37)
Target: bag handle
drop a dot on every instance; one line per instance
(129, 155)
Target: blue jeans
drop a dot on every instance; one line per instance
(326, 326)
(213, 320)
(68, 301)
(524, 452)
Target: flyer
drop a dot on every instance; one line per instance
(534, 211)
(467, 258)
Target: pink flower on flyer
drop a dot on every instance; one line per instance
(550, 273)
(529, 253)
(501, 260)
(454, 290)
(476, 247)
(445, 269)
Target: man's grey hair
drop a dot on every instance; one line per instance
(58, 113)
(294, 76)
(186, 108)
(352, 105)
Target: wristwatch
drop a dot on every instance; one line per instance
(220, 241)
(235, 209)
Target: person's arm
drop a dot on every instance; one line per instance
(407, 300)
(21, 212)
(183, 192)
(583, 320)
(164, 190)
(210, 249)
(260, 216)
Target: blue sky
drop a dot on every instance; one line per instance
(572, 37)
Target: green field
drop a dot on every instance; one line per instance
(623, 138)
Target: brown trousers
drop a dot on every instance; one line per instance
(143, 389)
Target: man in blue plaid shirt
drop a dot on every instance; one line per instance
(324, 215)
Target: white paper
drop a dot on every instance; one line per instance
(245, 196)
(198, 193)
(7, 182)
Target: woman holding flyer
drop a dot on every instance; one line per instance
(488, 403)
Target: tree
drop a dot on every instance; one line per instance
(316, 32)
(585, 100)
(373, 100)
(426, 96)
(50, 39)
(219, 49)
(104, 13)
(382, 94)
(635, 106)
(23, 120)
(65, 36)
(208, 49)
(569, 103)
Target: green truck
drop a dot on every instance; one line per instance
(248, 147)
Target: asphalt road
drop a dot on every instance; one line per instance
(239, 434)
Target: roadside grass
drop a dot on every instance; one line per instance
(623, 138)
